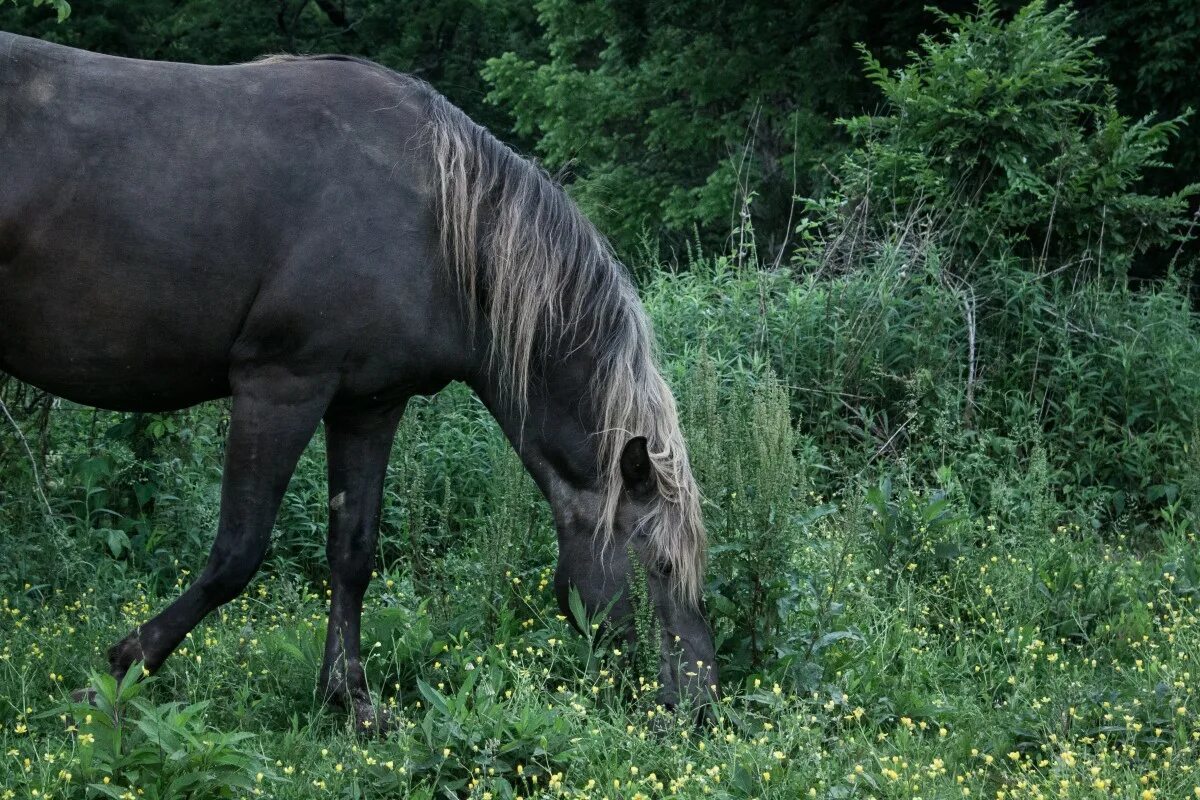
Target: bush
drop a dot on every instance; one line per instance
(163, 751)
(880, 371)
(1007, 137)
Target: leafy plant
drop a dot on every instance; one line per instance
(61, 7)
(1007, 135)
(161, 751)
(671, 114)
(912, 530)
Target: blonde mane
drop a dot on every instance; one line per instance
(546, 277)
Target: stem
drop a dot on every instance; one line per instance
(37, 479)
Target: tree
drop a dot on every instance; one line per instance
(61, 8)
(1007, 135)
(668, 114)
(1150, 48)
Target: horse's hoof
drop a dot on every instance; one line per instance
(124, 654)
(371, 721)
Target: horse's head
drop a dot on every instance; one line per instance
(653, 537)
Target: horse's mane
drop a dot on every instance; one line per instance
(547, 278)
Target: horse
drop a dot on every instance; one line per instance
(321, 239)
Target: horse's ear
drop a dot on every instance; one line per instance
(635, 467)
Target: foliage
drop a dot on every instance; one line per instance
(1008, 137)
(1147, 47)
(932, 674)
(62, 8)
(1105, 380)
(950, 546)
(668, 113)
(163, 751)
(952, 497)
(753, 464)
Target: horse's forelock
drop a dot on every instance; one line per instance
(552, 278)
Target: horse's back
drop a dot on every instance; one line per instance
(150, 207)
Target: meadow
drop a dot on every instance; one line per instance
(951, 467)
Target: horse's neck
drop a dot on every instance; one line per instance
(553, 428)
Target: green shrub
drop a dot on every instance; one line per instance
(163, 751)
(1006, 135)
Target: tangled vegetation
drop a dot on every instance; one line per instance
(951, 465)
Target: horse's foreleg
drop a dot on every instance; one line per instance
(274, 416)
(359, 443)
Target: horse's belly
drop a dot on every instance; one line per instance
(122, 384)
(126, 386)
(107, 351)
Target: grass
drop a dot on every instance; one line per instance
(1055, 668)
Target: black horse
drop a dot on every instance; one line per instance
(321, 239)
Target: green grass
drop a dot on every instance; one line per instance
(1053, 668)
(909, 601)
